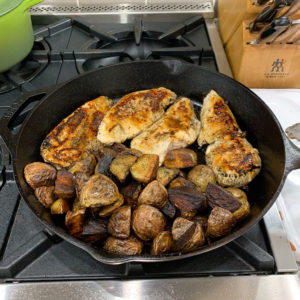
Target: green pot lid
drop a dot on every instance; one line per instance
(8, 5)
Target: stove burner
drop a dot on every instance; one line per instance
(139, 44)
(26, 70)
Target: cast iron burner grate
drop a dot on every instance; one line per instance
(26, 70)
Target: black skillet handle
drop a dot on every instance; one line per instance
(5, 132)
(292, 155)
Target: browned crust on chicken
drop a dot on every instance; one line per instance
(234, 162)
(178, 128)
(217, 120)
(134, 113)
(75, 134)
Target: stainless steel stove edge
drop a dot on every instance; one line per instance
(275, 287)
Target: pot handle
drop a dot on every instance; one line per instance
(292, 155)
(29, 3)
(6, 134)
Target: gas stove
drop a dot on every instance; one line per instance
(70, 41)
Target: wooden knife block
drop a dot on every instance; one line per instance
(263, 65)
(231, 14)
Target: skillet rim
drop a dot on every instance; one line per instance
(146, 257)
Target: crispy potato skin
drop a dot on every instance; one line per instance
(220, 222)
(147, 222)
(145, 168)
(131, 193)
(244, 210)
(45, 194)
(154, 194)
(119, 222)
(180, 226)
(74, 221)
(86, 165)
(64, 185)
(180, 181)
(201, 175)
(166, 175)
(80, 179)
(130, 246)
(99, 191)
(162, 243)
(180, 158)
(39, 174)
(109, 209)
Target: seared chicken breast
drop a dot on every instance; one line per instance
(75, 134)
(234, 162)
(178, 128)
(217, 120)
(134, 113)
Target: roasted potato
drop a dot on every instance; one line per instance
(202, 221)
(60, 206)
(74, 221)
(103, 165)
(244, 210)
(218, 196)
(180, 158)
(99, 191)
(201, 175)
(154, 194)
(45, 194)
(187, 235)
(220, 222)
(166, 175)
(120, 166)
(131, 193)
(187, 200)
(162, 243)
(147, 222)
(132, 151)
(145, 168)
(80, 179)
(169, 210)
(94, 230)
(39, 174)
(130, 246)
(64, 185)
(86, 165)
(109, 209)
(119, 222)
(180, 181)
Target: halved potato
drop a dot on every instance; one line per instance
(166, 175)
(120, 166)
(60, 206)
(45, 194)
(180, 181)
(86, 165)
(99, 191)
(244, 210)
(119, 222)
(145, 168)
(109, 209)
(154, 194)
(130, 246)
(162, 243)
(64, 185)
(131, 193)
(180, 158)
(201, 175)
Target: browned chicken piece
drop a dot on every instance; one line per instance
(75, 134)
(217, 120)
(235, 163)
(134, 113)
(178, 128)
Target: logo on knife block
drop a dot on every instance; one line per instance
(277, 65)
(277, 69)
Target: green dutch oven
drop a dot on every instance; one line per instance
(16, 34)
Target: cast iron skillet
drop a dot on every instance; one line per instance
(279, 155)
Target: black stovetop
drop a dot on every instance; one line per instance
(28, 252)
